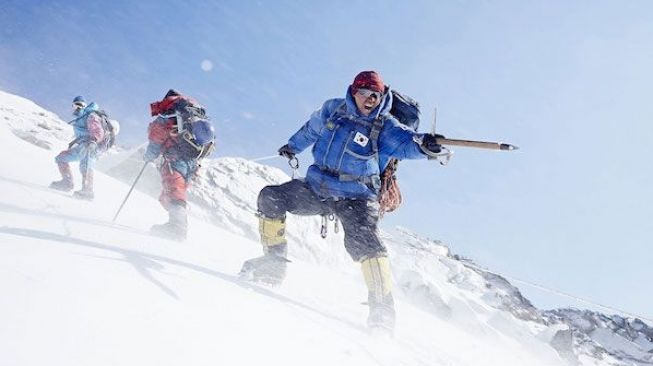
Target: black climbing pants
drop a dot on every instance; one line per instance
(359, 217)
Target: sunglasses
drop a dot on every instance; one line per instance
(369, 93)
(78, 105)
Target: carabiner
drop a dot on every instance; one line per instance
(323, 229)
(294, 165)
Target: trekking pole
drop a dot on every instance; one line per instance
(130, 191)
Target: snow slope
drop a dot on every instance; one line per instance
(79, 289)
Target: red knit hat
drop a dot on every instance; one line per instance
(368, 80)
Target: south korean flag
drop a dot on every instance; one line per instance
(361, 139)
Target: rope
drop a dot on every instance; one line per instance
(266, 158)
(565, 294)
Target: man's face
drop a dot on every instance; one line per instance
(367, 100)
(77, 108)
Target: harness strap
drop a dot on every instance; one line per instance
(373, 180)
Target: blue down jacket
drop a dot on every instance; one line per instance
(346, 165)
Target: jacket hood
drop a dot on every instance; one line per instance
(93, 107)
(381, 110)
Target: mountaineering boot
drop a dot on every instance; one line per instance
(376, 271)
(177, 226)
(86, 193)
(382, 314)
(271, 267)
(66, 183)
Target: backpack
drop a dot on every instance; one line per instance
(111, 128)
(406, 110)
(196, 136)
(197, 140)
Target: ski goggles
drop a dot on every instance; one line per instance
(369, 93)
(78, 105)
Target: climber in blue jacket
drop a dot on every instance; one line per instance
(353, 140)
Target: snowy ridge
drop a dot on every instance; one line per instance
(577, 335)
(431, 264)
(446, 297)
(32, 123)
(628, 340)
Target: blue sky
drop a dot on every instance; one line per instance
(569, 82)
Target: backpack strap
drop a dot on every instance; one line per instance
(377, 125)
(341, 110)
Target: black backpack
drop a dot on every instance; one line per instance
(405, 109)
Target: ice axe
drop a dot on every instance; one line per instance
(130, 191)
(444, 156)
(477, 144)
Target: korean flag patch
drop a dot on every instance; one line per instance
(361, 139)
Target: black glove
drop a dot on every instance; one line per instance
(429, 142)
(286, 152)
